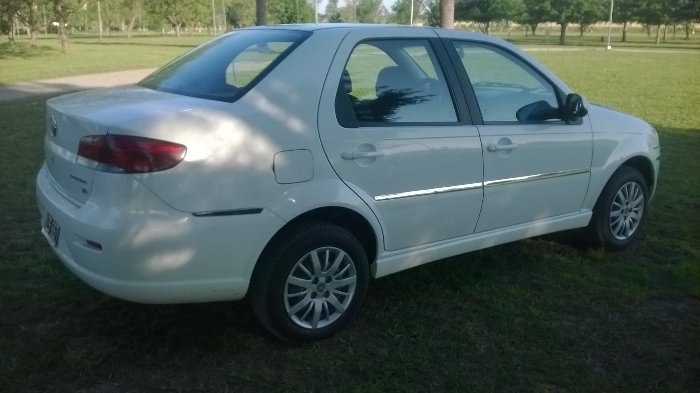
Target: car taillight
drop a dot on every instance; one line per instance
(128, 154)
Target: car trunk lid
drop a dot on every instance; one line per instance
(72, 117)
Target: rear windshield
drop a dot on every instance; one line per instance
(227, 67)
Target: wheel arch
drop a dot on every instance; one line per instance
(645, 167)
(346, 218)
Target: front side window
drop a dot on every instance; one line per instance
(507, 89)
(227, 67)
(396, 81)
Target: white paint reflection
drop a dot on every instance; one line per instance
(166, 261)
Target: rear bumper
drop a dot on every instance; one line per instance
(127, 243)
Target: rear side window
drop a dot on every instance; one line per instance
(226, 68)
(387, 82)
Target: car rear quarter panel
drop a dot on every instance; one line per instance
(231, 147)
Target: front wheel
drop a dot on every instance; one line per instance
(620, 210)
(310, 282)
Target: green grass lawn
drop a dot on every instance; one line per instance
(22, 62)
(537, 315)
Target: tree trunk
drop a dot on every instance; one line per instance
(687, 30)
(11, 34)
(63, 35)
(130, 27)
(447, 13)
(665, 31)
(533, 28)
(658, 34)
(648, 30)
(99, 18)
(260, 13)
(581, 29)
(624, 32)
(177, 29)
(562, 33)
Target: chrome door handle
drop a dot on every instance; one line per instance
(354, 155)
(493, 148)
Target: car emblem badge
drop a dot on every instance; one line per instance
(54, 126)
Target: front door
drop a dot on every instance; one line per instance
(392, 132)
(536, 166)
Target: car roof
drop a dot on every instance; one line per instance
(320, 27)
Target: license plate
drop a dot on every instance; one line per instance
(52, 229)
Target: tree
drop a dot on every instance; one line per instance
(260, 12)
(135, 7)
(62, 10)
(623, 12)
(28, 13)
(401, 11)
(8, 13)
(564, 13)
(484, 12)
(588, 12)
(349, 12)
(179, 13)
(368, 10)
(331, 7)
(447, 13)
(431, 12)
(536, 12)
(240, 13)
(654, 13)
(687, 12)
(290, 11)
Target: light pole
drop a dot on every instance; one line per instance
(213, 17)
(316, 10)
(411, 12)
(612, 2)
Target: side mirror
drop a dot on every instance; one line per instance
(574, 109)
(536, 112)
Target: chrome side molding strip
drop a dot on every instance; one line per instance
(520, 179)
(488, 183)
(430, 191)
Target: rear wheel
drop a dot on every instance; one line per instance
(620, 210)
(310, 282)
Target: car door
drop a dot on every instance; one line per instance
(536, 166)
(393, 132)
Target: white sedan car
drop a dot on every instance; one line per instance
(290, 164)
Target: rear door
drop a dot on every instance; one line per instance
(394, 132)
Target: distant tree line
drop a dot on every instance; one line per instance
(189, 16)
(583, 13)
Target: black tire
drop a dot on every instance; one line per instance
(619, 214)
(280, 285)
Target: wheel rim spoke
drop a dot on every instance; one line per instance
(318, 306)
(338, 259)
(316, 263)
(300, 282)
(299, 306)
(333, 300)
(343, 282)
